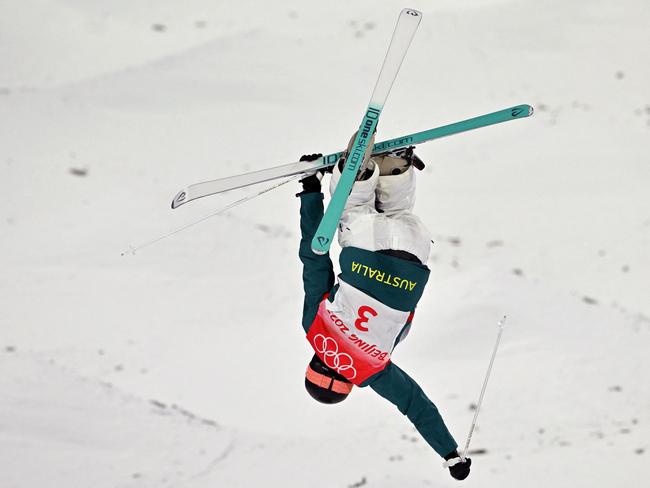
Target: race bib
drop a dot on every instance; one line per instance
(354, 335)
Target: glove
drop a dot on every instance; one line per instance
(457, 469)
(311, 182)
(413, 158)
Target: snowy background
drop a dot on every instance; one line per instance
(182, 365)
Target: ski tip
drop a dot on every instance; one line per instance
(318, 251)
(179, 199)
(320, 244)
(411, 11)
(521, 111)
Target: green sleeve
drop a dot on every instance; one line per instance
(400, 389)
(317, 271)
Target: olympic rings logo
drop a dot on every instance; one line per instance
(334, 359)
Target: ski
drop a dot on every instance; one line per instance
(407, 23)
(213, 187)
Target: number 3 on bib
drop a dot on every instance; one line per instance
(365, 314)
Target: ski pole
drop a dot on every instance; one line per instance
(455, 461)
(132, 249)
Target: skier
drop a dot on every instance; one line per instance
(354, 324)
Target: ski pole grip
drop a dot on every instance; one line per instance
(452, 462)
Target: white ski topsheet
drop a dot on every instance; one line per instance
(206, 188)
(407, 24)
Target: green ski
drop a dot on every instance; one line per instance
(407, 23)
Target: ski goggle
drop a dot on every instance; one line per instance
(328, 382)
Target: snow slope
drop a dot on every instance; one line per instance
(79, 431)
(108, 109)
